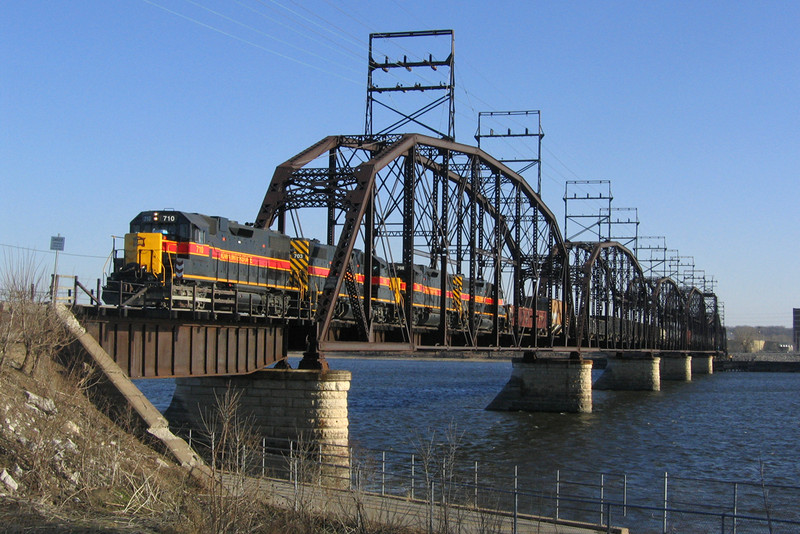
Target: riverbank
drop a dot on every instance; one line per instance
(760, 362)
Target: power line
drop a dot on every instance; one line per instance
(248, 42)
(28, 249)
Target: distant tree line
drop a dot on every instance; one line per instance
(757, 338)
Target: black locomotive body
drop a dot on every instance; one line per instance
(180, 260)
(187, 261)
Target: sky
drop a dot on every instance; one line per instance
(690, 109)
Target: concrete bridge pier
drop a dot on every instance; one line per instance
(631, 371)
(702, 364)
(547, 385)
(307, 406)
(676, 366)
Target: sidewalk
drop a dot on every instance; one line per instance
(404, 513)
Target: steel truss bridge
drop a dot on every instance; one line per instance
(414, 200)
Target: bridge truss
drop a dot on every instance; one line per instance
(413, 200)
(445, 219)
(431, 246)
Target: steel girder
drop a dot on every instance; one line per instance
(433, 202)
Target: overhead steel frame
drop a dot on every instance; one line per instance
(446, 205)
(531, 121)
(652, 251)
(445, 89)
(624, 230)
(616, 307)
(588, 218)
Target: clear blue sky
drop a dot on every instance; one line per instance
(691, 109)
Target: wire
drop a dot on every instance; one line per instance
(335, 48)
(251, 43)
(27, 249)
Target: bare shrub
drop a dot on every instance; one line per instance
(233, 502)
(439, 460)
(29, 322)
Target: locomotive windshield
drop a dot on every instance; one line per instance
(169, 225)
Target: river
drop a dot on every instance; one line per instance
(730, 426)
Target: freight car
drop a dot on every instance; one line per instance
(176, 260)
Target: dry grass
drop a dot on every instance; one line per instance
(80, 460)
(81, 467)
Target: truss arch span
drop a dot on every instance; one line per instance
(466, 238)
(669, 315)
(611, 295)
(698, 329)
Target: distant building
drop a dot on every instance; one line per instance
(753, 345)
(796, 328)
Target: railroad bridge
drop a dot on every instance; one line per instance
(478, 265)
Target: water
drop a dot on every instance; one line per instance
(732, 426)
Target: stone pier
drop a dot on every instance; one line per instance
(702, 364)
(632, 371)
(676, 366)
(307, 406)
(547, 385)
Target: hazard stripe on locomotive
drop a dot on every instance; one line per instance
(178, 260)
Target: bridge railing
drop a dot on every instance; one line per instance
(70, 291)
(437, 477)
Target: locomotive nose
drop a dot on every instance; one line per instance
(145, 250)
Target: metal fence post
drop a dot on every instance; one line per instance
(291, 460)
(383, 472)
(320, 464)
(602, 494)
(413, 482)
(558, 489)
(263, 456)
(516, 499)
(735, 504)
(445, 487)
(430, 510)
(666, 484)
(476, 484)
(296, 487)
(625, 495)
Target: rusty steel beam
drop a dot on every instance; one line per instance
(167, 348)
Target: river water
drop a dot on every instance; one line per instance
(730, 426)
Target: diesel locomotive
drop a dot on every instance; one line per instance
(187, 261)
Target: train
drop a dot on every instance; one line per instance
(177, 260)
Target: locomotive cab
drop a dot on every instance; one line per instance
(146, 261)
(144, 244)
